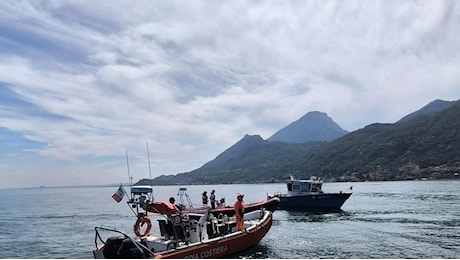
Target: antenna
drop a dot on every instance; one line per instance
(148, 157)
(130, 178)
(150, 172)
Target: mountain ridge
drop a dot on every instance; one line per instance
(242, 145)
(421, 146)
(432, 107)
(313, 126)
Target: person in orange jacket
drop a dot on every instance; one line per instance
(239, 210)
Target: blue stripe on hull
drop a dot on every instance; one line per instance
(331, 200)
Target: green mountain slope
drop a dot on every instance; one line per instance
(424, 146)
(431, 108)
(264, 162)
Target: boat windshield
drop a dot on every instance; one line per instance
(299, 186)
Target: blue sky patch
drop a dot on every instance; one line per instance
(11, 142)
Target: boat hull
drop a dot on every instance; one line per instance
(223, 246)
(318, 201)
(271, 204)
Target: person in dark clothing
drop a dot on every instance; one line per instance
(204, 198)
(212, 198)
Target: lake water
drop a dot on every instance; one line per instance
(406, 219)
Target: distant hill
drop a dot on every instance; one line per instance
(241, 147)
(425, 146)
(418, 147)
(313, 126)
(258, 162)
(433, 107)
(253, 159)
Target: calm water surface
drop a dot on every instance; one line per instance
(411, 219)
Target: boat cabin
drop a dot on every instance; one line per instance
(140, 196)
(300, 187)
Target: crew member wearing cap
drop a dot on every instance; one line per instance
(239, 210)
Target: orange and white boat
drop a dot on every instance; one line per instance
(183, 234)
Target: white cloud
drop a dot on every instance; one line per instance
(192, 78)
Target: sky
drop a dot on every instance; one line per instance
(85, 83)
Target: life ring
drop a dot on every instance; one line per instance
(141, 221)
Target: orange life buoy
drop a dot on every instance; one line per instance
(141, 221)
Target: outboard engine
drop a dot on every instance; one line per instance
(120, 247)
(111, 247)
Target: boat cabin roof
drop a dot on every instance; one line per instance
(311, 180)
(141, 189)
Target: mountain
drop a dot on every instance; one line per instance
(422, 146)
(241, 147)
(433, 107)
(425, 146)
(253, 159)
(249, 160)
(313, 126)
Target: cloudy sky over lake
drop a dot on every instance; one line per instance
(82, 82)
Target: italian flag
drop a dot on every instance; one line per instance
(118, 195)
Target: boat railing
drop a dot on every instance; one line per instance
(139, 245)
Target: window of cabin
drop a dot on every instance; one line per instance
(304, 187)
(295, 187)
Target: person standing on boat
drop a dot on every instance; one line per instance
(239, 211)
(142, 200)
(204, 198)
(172, 200)
(212, 198)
